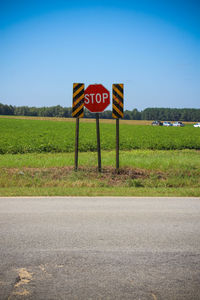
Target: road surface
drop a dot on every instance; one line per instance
(100, 248)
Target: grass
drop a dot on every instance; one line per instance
(33, 135)
(142, 173)
(145, 159)
(117, 192)
(37, 158)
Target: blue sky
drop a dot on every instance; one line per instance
(153, 47)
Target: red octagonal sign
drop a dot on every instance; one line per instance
(97, 98)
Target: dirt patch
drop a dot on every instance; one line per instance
(114, 177)
(108, 176)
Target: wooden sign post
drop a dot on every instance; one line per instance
(76, 145)
(117, 144)
(98, 142)
(117, 113)
(77, 112)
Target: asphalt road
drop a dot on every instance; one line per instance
(100, 248)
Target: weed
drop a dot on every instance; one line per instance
(135, 183)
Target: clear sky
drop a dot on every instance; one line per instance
(153, 47)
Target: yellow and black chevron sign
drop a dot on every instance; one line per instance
(78, 100)
(118, 101)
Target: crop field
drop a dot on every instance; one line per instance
(37, 136)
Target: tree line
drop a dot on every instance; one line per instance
(171, 114)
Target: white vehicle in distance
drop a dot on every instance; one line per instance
(178, 124)
(197, 125)
(167, 124)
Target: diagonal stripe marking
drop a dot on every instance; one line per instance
(81, 115)
(75, 85)
(76, 93)
(119, 86)
(78, 109)
(117, 110)
(118, 106)
(78, 100)
(118, 92)
(116, 115)
(118, 101)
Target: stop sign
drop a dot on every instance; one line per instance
(97, 98)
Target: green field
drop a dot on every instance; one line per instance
(28, 136)
(37, 158)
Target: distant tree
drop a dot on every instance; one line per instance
(107, 114)
(135, 114)
(127, 115)
(67, 112)
(6, 109)
(150, 113)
